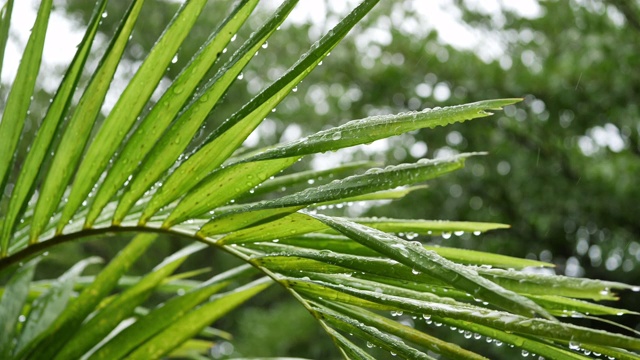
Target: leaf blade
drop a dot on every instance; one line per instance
(178, 136)
(373, 128)
(416, 257)
(102, 323)
(230, 134)
(19, 99)
(129, 105)
(167, 107)
(57, 110)
(78, 131)
(189, 325)
(65, 326)
(11, 304)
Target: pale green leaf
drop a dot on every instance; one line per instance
(13, 299)
(102, 323)
(46, 308)
(179, 135)
(373, 128)
(66, 325)
(163, 317)
(5, 22)
(167, 107)
(19, 99)
(191, 323)
(223, 186)
(78, 130)
(231, 134)
(413, 255)
(47, 130)
(126, 110)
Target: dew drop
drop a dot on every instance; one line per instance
(241, 76)
(574, 345)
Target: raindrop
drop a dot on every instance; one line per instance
(105, 14)
(415, 272)
(336, 136)
(574, 345)
(446, 235)
(241, 76)
(310, 181)
(458, 233)
(234, 37)
(265, 45)
(525, 353)
(295, 89)
(477, 232)
(175, 59)
(370, 345)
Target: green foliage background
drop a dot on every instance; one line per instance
(571, 198)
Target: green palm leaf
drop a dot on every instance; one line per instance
(133, 171)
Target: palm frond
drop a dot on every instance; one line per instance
(131, 171)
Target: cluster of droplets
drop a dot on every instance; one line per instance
(575, 346)
(475, 336)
